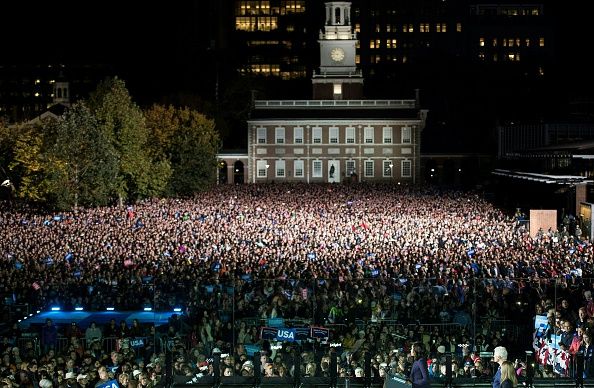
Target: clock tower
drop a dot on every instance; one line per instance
(338, 77)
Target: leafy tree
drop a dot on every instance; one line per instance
(80, 162)
(190, 142)
(123, 125)
(29, 165)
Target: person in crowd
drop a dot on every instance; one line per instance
(508, 375)
(419, 376)
(499, 357)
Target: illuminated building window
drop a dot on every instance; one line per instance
(372, 44)
(261, 135)
(482, 42)
(316, 135)
(494, 42)
(357, 44)
(368, 135)
(540, 70)
(261, 168)
(333, 135)
(411, 28)
(298, 135)
(280, 168)
(394, 43)
(298, 168)
(265, 69)
(510, 42)
(369, 168)
(388, 28)
(350, 167)
(378, 43)
(495, 57)
(406, 169)
(357, 59)
(518, 42)
(290, 28)
(378, 28)
(387, 135)
(350, 135)
(337, 88)
(441, 27)
(316, 170)
(458, 27)
(527, 42)
(405, 135)
(424, 27)
(388, 43)
(378, 58)
(279, 135)
(535, 12)
(357, 27)
(245, 24)
(387, 164)
(481, 56)
(541, 42)
(404, 59)
(292, 6)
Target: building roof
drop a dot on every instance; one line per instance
(335, 109)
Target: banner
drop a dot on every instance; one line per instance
(319, 332)
(285, 335)
(108, 384)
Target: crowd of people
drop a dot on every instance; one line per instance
(376, 264)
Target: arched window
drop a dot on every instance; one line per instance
(337, 19)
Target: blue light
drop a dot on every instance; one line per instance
(110, 309)
(78, 309)
(55, 308)
(177, 309)
(148, 309)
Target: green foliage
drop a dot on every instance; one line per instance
(81, 163)
(189, 140)
(123, 124)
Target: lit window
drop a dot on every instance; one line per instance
(350, 167)
(337, 89)
(482, 42)
(494, 42)
(527, 42)
(316, 135)
(378, 43)
(424, 27)
(350, 135)
(261, 135)
(279, 135)
(378, 28)
(406, 169)
(298, 135)
(334, 135)
(298, 168)
(37, 81)
(369, 168)
(541, 42)
(316, 171)
(368, 134)
(405, 137)
(411, 28)
(261, 168)
(280, 168)
(458, 27)
(387, 132)
(372, 44)
(357, 59)
(357, 27)
(387, 170)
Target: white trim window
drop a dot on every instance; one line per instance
(261, 168)
(298, 169)
(279, 135)
(298, 135)
(406, 168)
(388, 166)
(316, 135)
(350, 135)
(316, 170)
(261, 135)
(387, 135)
(369, 168)
(405, 135)
(368, 135)
(279, 168)
(351, 167)
(333, 135)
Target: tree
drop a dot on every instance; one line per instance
(123, 125)
(80, 161)
(190, 142)
(28, 164)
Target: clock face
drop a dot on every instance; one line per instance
(337, 54)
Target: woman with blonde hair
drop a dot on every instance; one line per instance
(508, 375)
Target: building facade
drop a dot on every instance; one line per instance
(338, 136)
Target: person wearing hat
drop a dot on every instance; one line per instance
(247, 369)
(82, 380)
(70, 380)
(45, 383)
(419, 375)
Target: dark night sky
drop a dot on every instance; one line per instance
(153, 45)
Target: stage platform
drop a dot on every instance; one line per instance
(84, 318)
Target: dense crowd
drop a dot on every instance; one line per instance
(374, 263)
